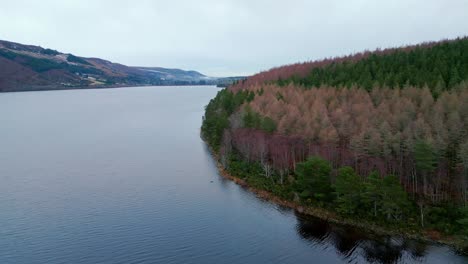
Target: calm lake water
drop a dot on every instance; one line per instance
(121, 176)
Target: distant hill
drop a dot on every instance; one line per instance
(28, 67)
(174, 73)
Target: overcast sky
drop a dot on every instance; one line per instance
(232, 37)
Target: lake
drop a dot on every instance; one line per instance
(122, 176)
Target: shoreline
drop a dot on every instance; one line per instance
(332, 217)
(97, 87)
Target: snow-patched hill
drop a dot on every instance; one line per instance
(28, 67)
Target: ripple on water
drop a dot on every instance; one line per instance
(121, 176)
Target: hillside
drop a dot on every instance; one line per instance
(27, 67)
(379, 135)
(438, 65)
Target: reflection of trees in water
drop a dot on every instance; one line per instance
(386, 249)
(351, 242)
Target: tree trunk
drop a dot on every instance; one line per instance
(375, 208)
(421, 209)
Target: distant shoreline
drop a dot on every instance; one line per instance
(56, 88)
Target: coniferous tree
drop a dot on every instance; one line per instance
(313, 179)
(348, 188)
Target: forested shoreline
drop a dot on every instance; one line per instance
(377, 135)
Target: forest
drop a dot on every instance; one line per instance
(376, 135)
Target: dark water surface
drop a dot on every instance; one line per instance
(121, 176)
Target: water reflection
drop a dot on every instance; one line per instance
(352, 243)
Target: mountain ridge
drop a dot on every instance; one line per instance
(28, 67)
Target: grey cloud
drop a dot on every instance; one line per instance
(227, 37)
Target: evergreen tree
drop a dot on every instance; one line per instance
(372, 194)
(394, 199)
(348, 188)
(425, 160)
(463, 221)
(313, 179)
